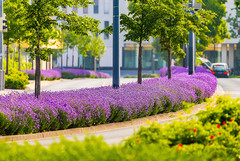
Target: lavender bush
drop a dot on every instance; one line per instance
(179, 69)
(23, 113)
(79, 73)
(45, 74)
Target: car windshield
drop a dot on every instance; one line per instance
(219, 67)
(208, 63)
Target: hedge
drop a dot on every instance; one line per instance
(23, 113)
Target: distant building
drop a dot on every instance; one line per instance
(103, 11)
(228, 51)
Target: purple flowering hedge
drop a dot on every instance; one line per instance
(179, 69)
(45, 74)
(57, 73)
(80, 73)
(23, 113)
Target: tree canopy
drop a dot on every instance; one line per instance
(217, 29)
(41, 16)
(138, 25)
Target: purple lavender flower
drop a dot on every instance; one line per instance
(23, 113)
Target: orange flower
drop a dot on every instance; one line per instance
(180, 144)
(231, 119)
(138, 140)
(189, 129)
(212, 136)
(218, 125)
(194, 130)
(220, 133)
(178, 148)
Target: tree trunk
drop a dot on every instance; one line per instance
(7, 61)
(67, 58)
(38, 68)
(73, 59)
(99, 64)
(62, 61)
(91, 63)
(95, 64)
(50, 61)
(14, 56)
(32, 63)
(78, 62)
(19, 56)
(169, 64)
(140, 63)
(83, 62)
(214, 53)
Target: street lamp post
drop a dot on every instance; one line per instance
(192, 41)
(116, 67)
(191, 47)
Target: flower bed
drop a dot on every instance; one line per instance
(179, 69)
(80, 73)
(213, 137)
(23, 113)
(45, 74)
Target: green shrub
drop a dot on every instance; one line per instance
(150, 76)
(95, 149)
(16, 79)
(223, 109)
(144, 76)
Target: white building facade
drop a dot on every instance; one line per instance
(128, 51)
(102, 11)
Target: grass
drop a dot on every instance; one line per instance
(144, 76)
(234, 76)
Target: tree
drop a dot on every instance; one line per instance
(174, 24)
(16, 25)
(39, 19)
(217, 30)
(233, 21)
(84, 45)
(71, 40)
(138, 25)
(97, 49)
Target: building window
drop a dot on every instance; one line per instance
(75, 9)
(106, 6)
(85, 10)
(106, 24)
(96, 6)
(64, 10)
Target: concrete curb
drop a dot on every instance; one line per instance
(106, 127)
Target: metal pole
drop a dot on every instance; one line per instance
(191, 47)
(184, 61)
(2, 76)
(116, 67)
(1, 37)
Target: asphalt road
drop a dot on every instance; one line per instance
(231, 86)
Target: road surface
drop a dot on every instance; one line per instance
(231, 86)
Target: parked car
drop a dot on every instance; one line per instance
(204, 63)
(220, 70)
